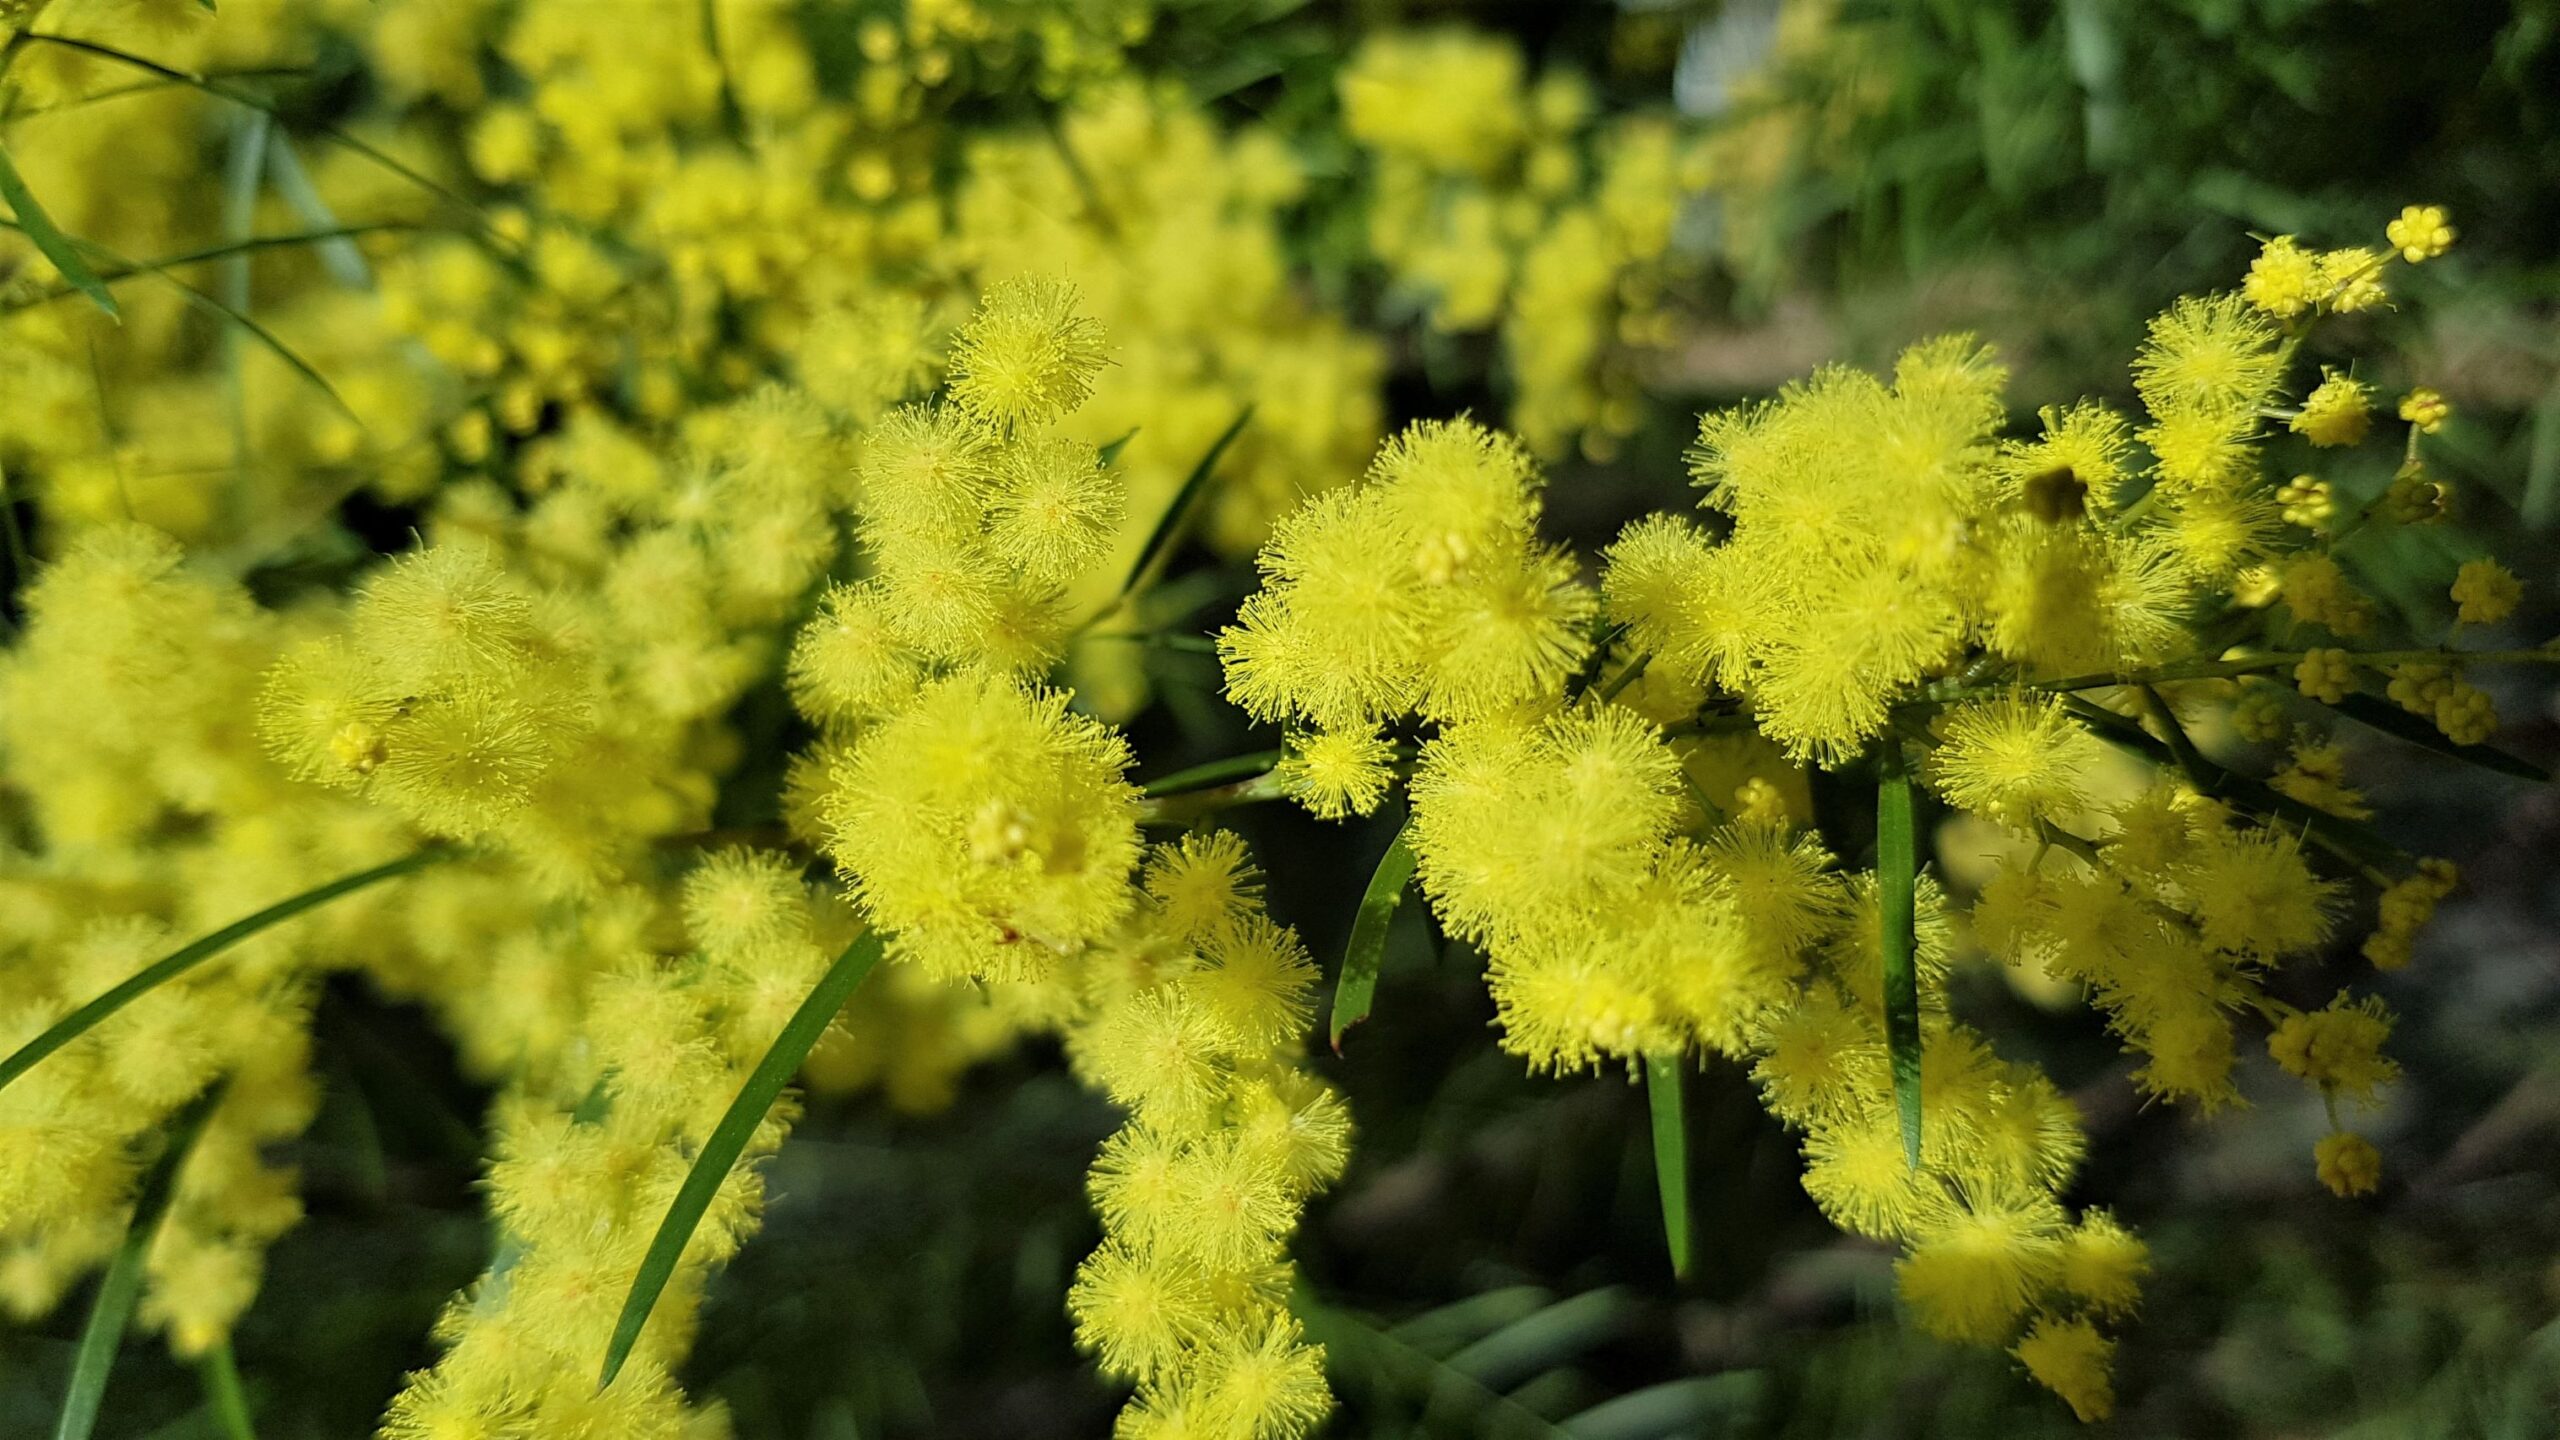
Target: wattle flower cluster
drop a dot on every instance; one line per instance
(583, 526)
(1888, 586)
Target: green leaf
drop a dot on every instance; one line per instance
(223, 1394)
(1384, 1362)
(2541, 505)
(1897, 882)
(211, 305)
(2358, 843)
(248, 245)
(1710, 1405)
(1446, 1329)
(121, 1285)
(728, 1140)
(1662, 1090)
(2191, 762)
(2391, 720)
(1357, 986)
(733, 121)
(344, 261)
(245, 177)
(263, 336)
(1109, 453)
(195, 952)
(1086, 191)
(1153, 556)
(222, 91)
(1546, 1339)
(48, 238)
(105, 93)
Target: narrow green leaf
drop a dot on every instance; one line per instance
(2391, 720)
(1212, 772)
(1357, 986)
(1551, 1337)
(1158, 550)
(121, 1285)
(214, 306)
(728, 1140)
(248, 245)
(1109, 453)
(338, 253)
(223, 1393)
(1447, 1329)
(1663, 1096)
(593, 1106)
(2541, 504)
(265, 337)
(2351, 840)
(1362, 1353)
(103, 94)
(1710, 1405)
(2191, 762)
(1090, 193)
(195, 952)
(47, 237)
(1605, 635)
(222, 91)
(245, 177)
(733, 121)
(1897, 893)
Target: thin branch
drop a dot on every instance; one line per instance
(1190, 805)
(1942, 691)
(1635, 668)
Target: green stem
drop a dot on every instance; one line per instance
(2259, 663)
(1741, 722)
(178, 962)
(2190, 760)
(1160, 640)
(224, 1394)
(1213, 772)
(1190, 805)
(2048, 833)
(1626, 677)
(1897, 892)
